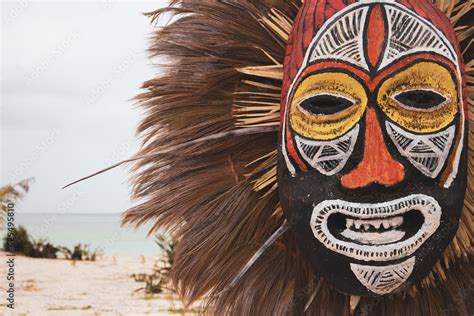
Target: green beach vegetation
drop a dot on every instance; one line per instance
(158, 281)
(26, 245)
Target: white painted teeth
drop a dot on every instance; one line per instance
(396, 221)
(374, 238)
(386, 239)
(374, 231)
(387, 223)
(349, 222)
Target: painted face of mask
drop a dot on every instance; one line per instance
(373, 147)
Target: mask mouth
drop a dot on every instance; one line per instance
(379, 231)
(375, 231)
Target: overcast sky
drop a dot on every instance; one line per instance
(68, 72)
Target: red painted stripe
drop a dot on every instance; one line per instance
(376, 29)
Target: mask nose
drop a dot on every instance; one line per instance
(377, 166)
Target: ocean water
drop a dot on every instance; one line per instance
(100, 231)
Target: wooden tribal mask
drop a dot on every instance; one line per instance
(372, 161)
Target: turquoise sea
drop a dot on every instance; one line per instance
(100, 231)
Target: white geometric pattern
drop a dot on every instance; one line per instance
(428, 152)
(343, 40)
(328, 157)
(409, 33)
(383, 279)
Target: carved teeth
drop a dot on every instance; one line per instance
(382, 244)
(374, 238)
(396, 221)
(388, 223)
(349, 223)
(374, 231)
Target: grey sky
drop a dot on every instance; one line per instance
(68, 71)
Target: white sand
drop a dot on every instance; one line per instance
(105, 287)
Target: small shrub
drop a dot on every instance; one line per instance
(24, 244)
(158, 281)
(44, 249)
(81, 252)
(21, 241)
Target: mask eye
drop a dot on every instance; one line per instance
(325, 104)
(420, 99)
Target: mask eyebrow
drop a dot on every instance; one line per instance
(410, 61)
(373, 81)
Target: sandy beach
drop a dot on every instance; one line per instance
(103, 287)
